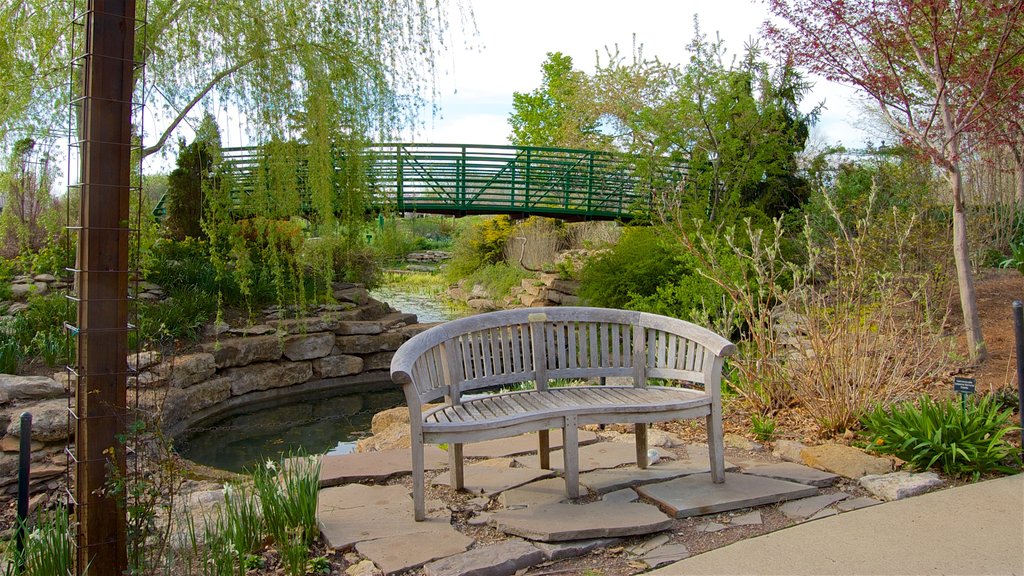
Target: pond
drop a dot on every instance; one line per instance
(326, 422)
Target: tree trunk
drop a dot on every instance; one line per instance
(964, 275)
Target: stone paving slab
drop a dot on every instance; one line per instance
(697, 494)
(573, 548)
(489, 480)
(356, 513)
(807, 507)
(561, 522)
(501, 559)
(666, 554)
(522, 444)
(547, 491)
(624, 495)
(752, 518)
(396, 554)
(610, 480)
(592, 457)
(377, 466)
(791, 473)
(856, 503)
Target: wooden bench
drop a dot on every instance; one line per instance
(539, 345)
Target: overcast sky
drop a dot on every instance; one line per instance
(476, 85)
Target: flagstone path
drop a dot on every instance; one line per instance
(526, 507)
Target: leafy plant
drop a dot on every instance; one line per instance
(762, 427)
(959, 440)
(48, 547)
(10, 354)
(53, 346)
(288, 494)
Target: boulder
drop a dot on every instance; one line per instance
(21, 388)
(391, 438)
(267, 375)
(308, 346)
(565, 286)
(387, 418)
(358, 327)
(899, 485)
(209, 393)
(378, 361)
(337, 365)
(232, 352)
(354, 294)
(789, 451)
(44, 278)
(187, 370)
(49, 421)
(369, 343)
(144, 359)
(304, 325)
(481, 304)
(844, 460)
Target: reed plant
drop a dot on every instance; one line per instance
(48, 547)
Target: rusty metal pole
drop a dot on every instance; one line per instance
(105, 139)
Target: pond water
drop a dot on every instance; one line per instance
(330, 422)
(426, 307)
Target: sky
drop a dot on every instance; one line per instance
(479, 73)
(476, 84)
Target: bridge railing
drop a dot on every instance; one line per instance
(483, 179)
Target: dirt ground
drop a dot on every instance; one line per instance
(996, 291)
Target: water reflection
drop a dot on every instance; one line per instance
(327, 422)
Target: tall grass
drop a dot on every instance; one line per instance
(48, 547)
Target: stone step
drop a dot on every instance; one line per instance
(561, 522)
(696, 494)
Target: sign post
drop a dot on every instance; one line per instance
(963, 387)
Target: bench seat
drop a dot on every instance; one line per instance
(673, 367)
(590, 405)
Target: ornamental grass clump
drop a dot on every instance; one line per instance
(288, 494)
(48, 547)
(960, 440)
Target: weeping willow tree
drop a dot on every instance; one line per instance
(313, 81)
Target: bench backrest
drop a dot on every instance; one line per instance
(540, 344)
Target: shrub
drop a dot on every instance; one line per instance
(480, 242)
(635, 267)
(498, 279)
(182, 317)
(959, 440)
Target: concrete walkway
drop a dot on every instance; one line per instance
(972, 529)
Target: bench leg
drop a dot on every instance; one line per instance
(571, 454)
(716, 447)
(456, 477)
(419, 507)
(544, 449)
(641, 445)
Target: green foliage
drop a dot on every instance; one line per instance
(634, 269)
(288, 493)
(195, 173)
(394, 241)
(478, 242)
(10, 353)
(941, 433)
(497, 279)
(53, 346)
(556, 114)
(181, 317)
(49, 547)
(762, 427)
(243, 520)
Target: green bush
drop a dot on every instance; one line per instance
(635, 268)
(478, 243)
(10, 354)
(959, 440)
(181, 317)
(498, 279)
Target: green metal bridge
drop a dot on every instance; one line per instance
(463, 179)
